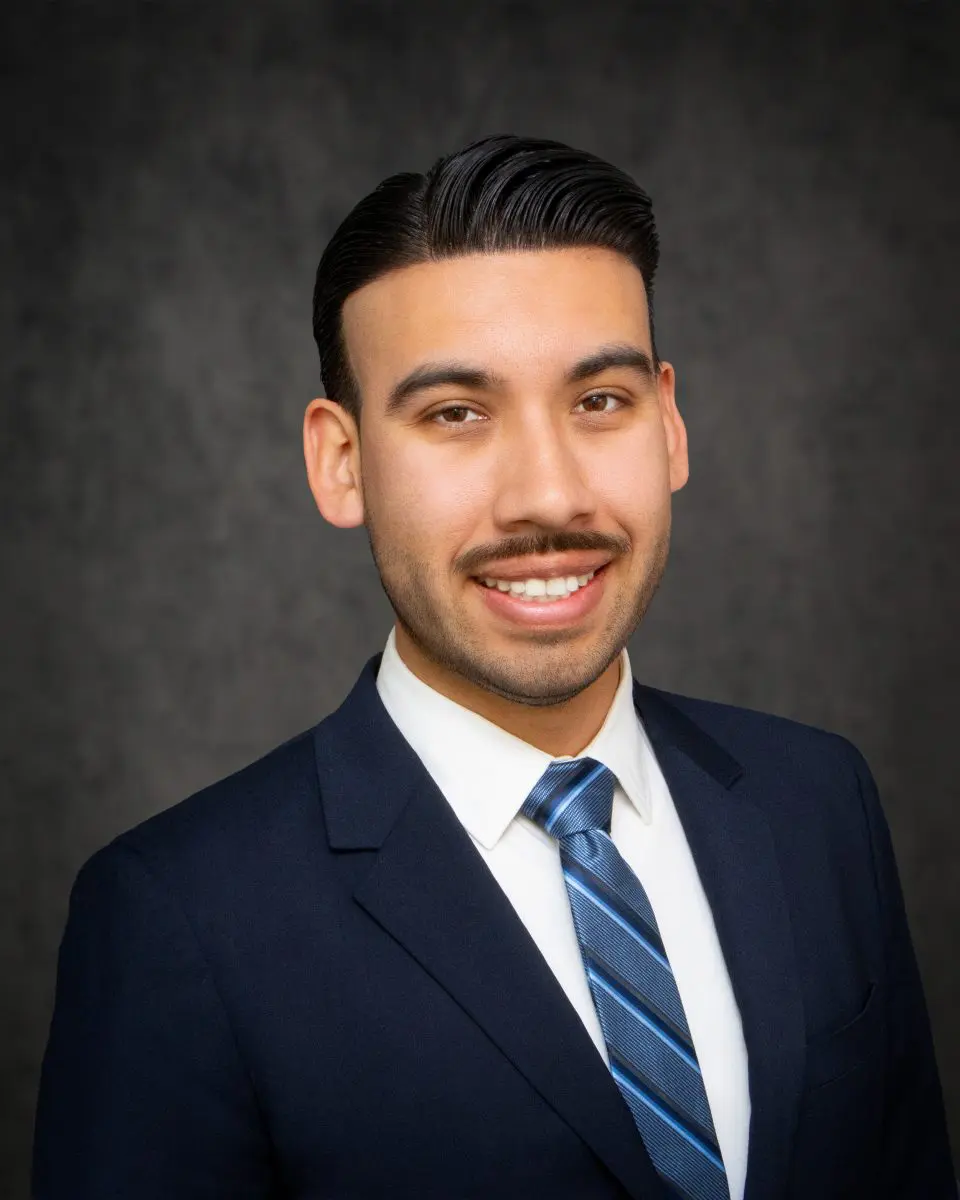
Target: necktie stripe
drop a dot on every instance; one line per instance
(656, 1065)
(692, 1168)
(644, 1015)
(580, 791)
(595, 883)
(552, 786)
(551, 798)
(661, 1055)
(592, 851)
(652, 1057)
(610, 942)
(640, 998)
(666, 1107)
(576, 880)
(630, 1081)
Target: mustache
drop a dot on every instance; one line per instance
(525, 545)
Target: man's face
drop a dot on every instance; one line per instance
(517, 456)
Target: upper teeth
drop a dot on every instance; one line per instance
(547, 590)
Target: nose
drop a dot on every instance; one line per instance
(541, 479)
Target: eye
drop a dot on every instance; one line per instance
(601, 402)
(455, 414)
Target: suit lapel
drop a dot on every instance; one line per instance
(430, 890)
(733, 849)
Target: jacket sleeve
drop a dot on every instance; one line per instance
(142, 1094)
(916, 1163)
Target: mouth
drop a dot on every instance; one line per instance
(547, 600)
(546, 590)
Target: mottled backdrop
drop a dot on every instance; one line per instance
(172, 603)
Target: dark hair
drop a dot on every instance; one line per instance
(499, 194)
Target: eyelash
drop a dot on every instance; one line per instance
(466, 408)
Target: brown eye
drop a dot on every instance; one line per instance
(598, 402)
(456, 414)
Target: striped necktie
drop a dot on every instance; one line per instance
(652, 1057)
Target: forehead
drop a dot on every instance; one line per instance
(524, 310)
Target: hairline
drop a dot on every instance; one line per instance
(355, 405)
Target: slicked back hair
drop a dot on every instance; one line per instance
(497, 195)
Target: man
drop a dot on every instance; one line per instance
(507, 923)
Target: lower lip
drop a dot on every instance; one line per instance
(549, 614)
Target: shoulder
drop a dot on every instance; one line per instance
(244, 827)
(813, 786)
(746, 732)
(776, 759)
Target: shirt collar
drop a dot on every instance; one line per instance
(449, 738)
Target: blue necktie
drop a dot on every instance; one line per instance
(652, 1057)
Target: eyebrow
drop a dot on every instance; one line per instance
(459, 374)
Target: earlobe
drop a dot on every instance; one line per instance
(331, 451)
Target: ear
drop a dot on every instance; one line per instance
(331, 450)
(674, 428)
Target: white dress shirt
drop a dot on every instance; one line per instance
(486, 774)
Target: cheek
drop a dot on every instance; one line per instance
(423, 500)
(633, 484)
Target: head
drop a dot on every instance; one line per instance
(496, 411)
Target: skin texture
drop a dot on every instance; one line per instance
(527, 474)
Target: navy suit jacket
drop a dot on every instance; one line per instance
(304, 982)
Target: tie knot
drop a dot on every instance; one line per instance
(570, 797)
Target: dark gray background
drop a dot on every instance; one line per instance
(174, 606)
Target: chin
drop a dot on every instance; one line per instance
(542, 684)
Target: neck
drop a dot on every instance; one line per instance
(558, 729)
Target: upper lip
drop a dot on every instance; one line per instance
(515, 569)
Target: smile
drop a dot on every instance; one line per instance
(546, 591)
(543, 602)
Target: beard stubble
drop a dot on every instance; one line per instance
(546, 672)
